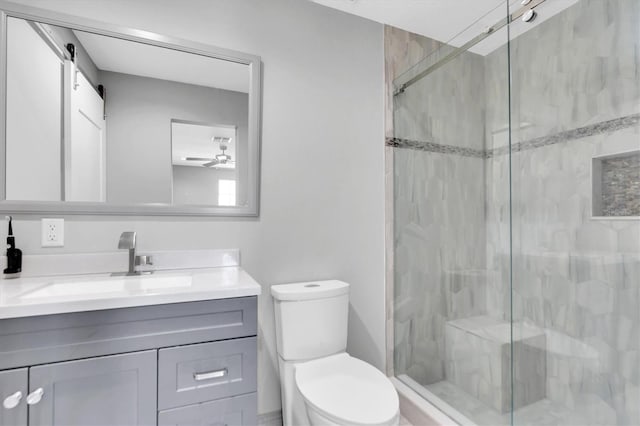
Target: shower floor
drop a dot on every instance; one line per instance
(540, 413)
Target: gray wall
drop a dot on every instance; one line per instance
(323, 84)
(139, 114)
(198, 185)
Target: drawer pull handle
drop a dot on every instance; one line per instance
(12, 400)
(210, 375)
(35, 396)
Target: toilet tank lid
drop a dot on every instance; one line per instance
(309, 290)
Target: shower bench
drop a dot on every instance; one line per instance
(479, 353)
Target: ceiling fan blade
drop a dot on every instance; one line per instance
(211, 163)
(197, 159)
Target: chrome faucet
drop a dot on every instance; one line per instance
(128, 242)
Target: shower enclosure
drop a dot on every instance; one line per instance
(516, 216)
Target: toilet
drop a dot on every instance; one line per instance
(321, 384)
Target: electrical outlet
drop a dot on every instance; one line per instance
(52, 232)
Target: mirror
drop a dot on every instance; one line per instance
(98, 121)
(205, 163)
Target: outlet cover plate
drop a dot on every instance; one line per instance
(52, 232)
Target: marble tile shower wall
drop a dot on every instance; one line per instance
(402, 50)
(574, 277)
(580, 67)
(432, 243)
(447, 108)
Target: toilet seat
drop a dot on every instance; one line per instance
(348, 390)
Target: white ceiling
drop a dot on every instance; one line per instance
(437, 19)
(451, 21)
(194, 140)
(113, 54)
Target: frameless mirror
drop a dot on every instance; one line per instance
(104, 121)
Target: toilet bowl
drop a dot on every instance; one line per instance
(342, 390)
(320, 383)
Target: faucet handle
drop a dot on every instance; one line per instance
(144, 260)
(127, 240)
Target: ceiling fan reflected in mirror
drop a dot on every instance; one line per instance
(219, 159)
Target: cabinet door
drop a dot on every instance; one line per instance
(111, 390)
(13, 408)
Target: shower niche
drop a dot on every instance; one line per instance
(615, 180)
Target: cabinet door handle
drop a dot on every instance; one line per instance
(12, 400)
(210, 375)
(35, 396)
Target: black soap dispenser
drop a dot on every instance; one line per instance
(14, 255)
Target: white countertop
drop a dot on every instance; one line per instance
(24, 297)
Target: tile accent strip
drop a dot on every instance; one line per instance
(568, 135)
(434, 147)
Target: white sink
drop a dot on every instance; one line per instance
(81, 289)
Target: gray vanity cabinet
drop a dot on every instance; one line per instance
(13, 390)
(181, 364)
(111, 390)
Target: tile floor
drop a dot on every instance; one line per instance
(541, 413)
(404, 422)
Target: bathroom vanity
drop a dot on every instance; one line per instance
(113, 350)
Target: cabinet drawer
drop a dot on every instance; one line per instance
(235, 411)
(206, 371)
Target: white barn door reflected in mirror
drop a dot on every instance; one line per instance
(85, 141)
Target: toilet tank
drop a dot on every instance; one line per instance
(311, 319)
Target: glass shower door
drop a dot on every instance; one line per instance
(517, 217)
(575, 164)
(452, 263)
